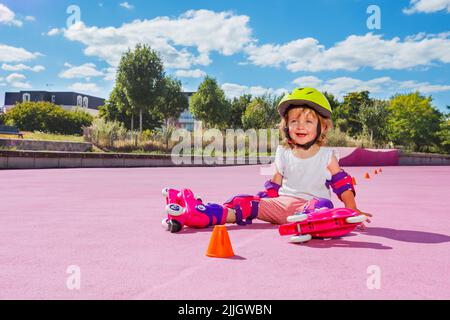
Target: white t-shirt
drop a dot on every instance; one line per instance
(304, 178)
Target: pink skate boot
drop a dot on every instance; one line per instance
(184, 209)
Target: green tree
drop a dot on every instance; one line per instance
(209, 104)
(413, 121)
(257, 115)
(140, 74)
(172, 103)
(373, 118)
(117, 108)
(349, 110)
(271, 102)
(444, 133)
(238, 106)
(337, 116)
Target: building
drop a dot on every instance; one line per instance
(186, 119)
(71, 100)
(68, 100)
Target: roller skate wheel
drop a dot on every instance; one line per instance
(164, 224)
(356, 219)
(165, 192)
(301, 238)
(297, 218)
(174, 209)
(200, 207)
(198, 198)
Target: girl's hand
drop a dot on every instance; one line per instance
(362, 226)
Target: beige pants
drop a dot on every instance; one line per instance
(276, 210)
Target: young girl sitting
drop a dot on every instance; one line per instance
(304, 170)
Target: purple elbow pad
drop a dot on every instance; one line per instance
(341, 182)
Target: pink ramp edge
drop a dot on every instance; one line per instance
(368, 157)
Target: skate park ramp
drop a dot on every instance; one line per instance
(104, 227)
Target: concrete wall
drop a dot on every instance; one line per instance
(423, 159)
(41, 159)
(25, 144)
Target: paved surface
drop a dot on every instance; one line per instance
(107, 223)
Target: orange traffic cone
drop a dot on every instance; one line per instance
(354, 181)
(375, 172)
(379, 170)
(220, 244)
(366, 176)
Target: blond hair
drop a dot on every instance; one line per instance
(325, 123)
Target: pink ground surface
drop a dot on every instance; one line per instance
(107, 222)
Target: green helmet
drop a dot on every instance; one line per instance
(309, 97)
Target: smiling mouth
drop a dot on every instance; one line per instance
(301, 135)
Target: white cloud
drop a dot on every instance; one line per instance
(110, 74)
(13, 54)
(427, 6)
(21, 85)
(308, 81)
(20, 67)
(8, 17)
(84, 87)
(382, 86)
(233, 90)
(197, 73)
(30, 18)
(54, 32)
(203, 31)
(85, 71)
(15, 77)
(353, 53)
(423, 87)
(126, 5)
(17, 80)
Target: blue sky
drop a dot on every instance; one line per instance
(248, 46)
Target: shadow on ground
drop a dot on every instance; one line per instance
(407, 235)
(253, 226)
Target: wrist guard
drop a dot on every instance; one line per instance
(271, 190)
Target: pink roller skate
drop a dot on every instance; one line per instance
(320, 220)
(184, 209)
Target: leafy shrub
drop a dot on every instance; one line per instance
(47, 117)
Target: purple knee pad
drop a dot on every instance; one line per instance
(317, 204)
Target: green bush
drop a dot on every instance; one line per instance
(47, 117)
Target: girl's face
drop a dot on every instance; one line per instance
(302, 124)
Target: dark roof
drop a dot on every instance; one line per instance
(68, 98)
